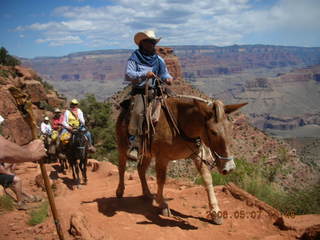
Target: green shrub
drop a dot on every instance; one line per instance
(258, 181)
(38, 215)
(6, 204)
(6, 59)
(102, 127)
(46, 106)
(4, 73)
(47, 86)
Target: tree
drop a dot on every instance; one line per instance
(100, 123)
(6, 59)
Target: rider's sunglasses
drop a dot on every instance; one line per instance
(152, 41)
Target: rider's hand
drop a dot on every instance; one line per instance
(169, 81)
(150, 75)
(36, 150)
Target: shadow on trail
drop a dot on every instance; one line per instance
(69, 182)
(139, 205)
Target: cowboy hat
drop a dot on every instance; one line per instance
(46, 118)
(74, 101)
(148, 34)
(57, 110)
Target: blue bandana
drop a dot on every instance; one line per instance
(151, 61)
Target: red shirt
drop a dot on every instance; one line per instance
(57, 122)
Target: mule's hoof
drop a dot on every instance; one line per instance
(166, 212)
(119, 193)
(218, 221)
(148, 196)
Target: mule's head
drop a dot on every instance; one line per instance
(78, 137)
(217, 132)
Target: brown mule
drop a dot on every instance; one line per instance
(196, 119)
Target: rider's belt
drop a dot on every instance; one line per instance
(142, 91)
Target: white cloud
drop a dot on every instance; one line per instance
(219, 22)
(60, 40)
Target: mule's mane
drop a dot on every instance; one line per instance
(196, 98)
(216, 105)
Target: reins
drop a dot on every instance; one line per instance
(180, 132)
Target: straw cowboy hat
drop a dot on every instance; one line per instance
(74, 102)
(148, 34)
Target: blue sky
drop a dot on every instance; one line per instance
(31, 28)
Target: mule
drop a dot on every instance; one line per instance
(196, 119)
(77, 155)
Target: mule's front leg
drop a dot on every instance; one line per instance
(121, 169)
(83, 168)
(213, 202)
(161, 169)
(76, 166)
(142, 168)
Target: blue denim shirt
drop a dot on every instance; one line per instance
(135, 71)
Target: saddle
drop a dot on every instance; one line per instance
(154, 99)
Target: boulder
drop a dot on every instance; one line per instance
(80, 228)
(94, 164)
(311, 233)
(15, 128)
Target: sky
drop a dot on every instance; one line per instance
(34, 28)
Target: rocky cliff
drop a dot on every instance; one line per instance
(43, 100)
(283, 102)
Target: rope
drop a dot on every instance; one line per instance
(196, 98)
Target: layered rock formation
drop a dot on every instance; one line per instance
(43, 100)
(234, 73)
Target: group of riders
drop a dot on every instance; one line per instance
(144, 68)
(58, 132)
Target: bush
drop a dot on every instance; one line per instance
(6, 59)
(38, 215)
(102, 127)
(6, 204)
(256, 179)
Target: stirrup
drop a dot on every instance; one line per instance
(133, 154)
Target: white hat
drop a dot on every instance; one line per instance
(1, 119)
(46, 118)
(148, 34)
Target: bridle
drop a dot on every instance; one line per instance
(196, 140)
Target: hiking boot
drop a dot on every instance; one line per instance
(132, 153)
(22, 206)
(92, 149)
(33, 199)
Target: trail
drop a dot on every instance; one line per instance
(103, 216)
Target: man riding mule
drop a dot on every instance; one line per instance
(143, 64)
(46, 136)
(76, 140)
(198, 121)
(57, 127)
(188, 127)
(73, 119)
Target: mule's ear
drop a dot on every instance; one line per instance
(204, 109)
(233, 107)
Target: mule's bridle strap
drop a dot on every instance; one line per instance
(223, 158)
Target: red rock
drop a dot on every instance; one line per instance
(14, 127)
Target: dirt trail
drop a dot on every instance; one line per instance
(106, 217)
